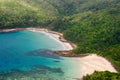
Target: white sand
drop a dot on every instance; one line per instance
(81, 66)
(92, 63)
(66, 46)
(84, 65)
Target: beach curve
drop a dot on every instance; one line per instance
(89, 63)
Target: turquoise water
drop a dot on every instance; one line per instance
(29, 54)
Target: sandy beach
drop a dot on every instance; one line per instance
(67, 45)
(93, 63)
(88, 64)
(56, 36)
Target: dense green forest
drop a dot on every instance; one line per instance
(93, 25)
(102, 76)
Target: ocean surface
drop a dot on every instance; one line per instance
(28, 55)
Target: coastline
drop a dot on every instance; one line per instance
(68, 45)
(93, 62)
(90, 63)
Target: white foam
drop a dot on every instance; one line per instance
(65, 45)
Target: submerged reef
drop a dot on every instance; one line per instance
(38, 72)
(44, 53)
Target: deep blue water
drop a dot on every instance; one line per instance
(27, 50)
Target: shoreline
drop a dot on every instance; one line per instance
(94, 62)
(90, 62)
(68, 46)
(65, 52)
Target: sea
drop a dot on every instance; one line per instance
(29, 55)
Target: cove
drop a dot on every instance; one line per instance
(27, 55)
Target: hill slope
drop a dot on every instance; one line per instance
(22, 13)
(94, 25)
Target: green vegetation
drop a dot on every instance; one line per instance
(98, 33)
(102, 76)
(25, 13)
(93, 25)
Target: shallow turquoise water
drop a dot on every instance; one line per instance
(30, 52)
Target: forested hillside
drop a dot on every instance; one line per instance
(98, 33)
(103, 76)
(25, 13)
(93, 25)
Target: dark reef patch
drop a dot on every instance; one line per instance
(44, 53)
(56, 61)
(54, 70)
(38, 72)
